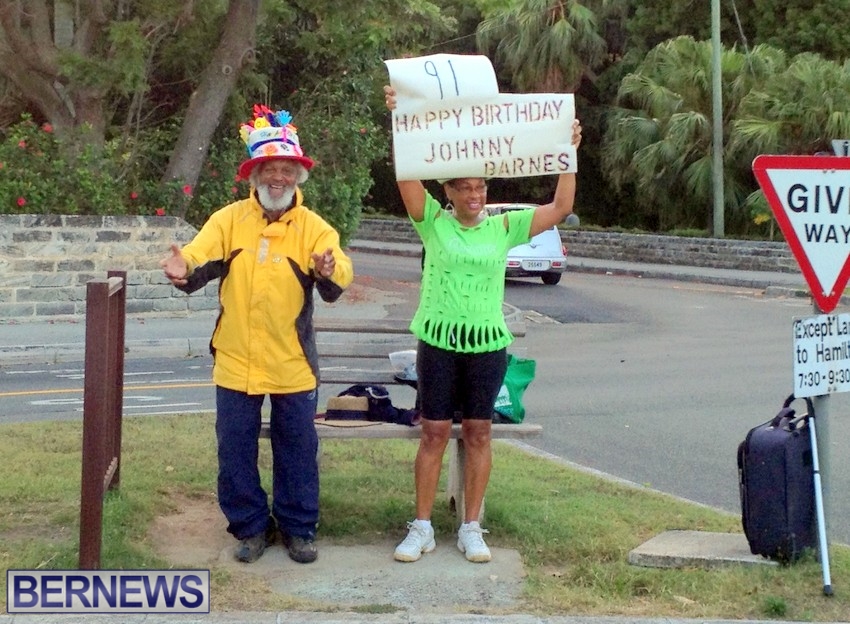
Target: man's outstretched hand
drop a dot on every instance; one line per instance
(175, 266)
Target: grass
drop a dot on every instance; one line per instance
(573, 530)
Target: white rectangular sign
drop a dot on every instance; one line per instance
(821, 355)
(451, 122)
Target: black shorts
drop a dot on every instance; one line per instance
(465, 382)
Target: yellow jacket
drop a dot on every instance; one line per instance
(264, 341)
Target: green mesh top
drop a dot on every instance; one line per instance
(463, 281)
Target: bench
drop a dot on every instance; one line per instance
(357, 352)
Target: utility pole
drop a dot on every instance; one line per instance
(717, 109)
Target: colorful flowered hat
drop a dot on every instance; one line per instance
(268, 136)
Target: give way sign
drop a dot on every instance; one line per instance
(810, 198)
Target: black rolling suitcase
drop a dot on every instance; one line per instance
(776, 480)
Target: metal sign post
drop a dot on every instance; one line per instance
(821, 365)
(806, 195)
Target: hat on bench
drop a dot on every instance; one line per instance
(347, 408)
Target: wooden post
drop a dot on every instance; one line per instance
(103, 398)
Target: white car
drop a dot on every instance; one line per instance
(544, 256)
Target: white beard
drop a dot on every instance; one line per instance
(273, 205)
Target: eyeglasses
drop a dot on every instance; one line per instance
(466, 189)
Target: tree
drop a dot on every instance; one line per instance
(66, 73)
(799, 26)
(797, 111)
(330, 77)
(651, 22)
(659, 142)
(795, 26)
(89, 68)
(235, 51)
(544, 46)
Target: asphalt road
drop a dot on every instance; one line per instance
(652, 381)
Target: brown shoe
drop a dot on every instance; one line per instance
(300, 549)
(252, 548)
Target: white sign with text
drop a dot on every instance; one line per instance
(451, 122)
(821, 355)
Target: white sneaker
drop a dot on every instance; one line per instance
(419, 540)
(471, 542)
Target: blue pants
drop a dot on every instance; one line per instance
(295, 469)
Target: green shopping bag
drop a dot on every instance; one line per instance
(519, 375)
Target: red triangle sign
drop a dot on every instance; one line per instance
(810, 198)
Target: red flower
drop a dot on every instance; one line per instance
(234, 190)
(134, 195)
(187, 190)
(22, 143)
(214, 173)
(237, 178)
(160, 212)
(362, 130)
(22, 201)
(47, 127)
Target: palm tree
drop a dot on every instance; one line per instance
(659, 139)
(797, 111)
(545, 45)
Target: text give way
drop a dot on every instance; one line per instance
(810, 198)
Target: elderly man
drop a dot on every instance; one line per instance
(269, 251)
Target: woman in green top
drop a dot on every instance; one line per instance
(461, 355)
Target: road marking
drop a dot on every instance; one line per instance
(129, 407)
(207, 384)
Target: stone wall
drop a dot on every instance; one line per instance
(46, 260)
(651, 248)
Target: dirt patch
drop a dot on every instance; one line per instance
(344, 576)
(194, 537)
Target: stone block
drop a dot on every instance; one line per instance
(85, 278)
(48, 220)
(15, 280)
(16, 310)
(202, 303)
(55, 308)
(41, 295)
(51, 280)
(74, 236)
(172, 304)
(23, 237)
(158, 277)
(111, 236)
(90, 222)
(75, 265)
(139, 306)
(150, 291)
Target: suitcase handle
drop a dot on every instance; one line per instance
(788, 419)
(786, 413)
(810, 408)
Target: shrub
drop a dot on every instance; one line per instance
(43, 173)
(344, 151)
